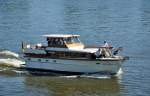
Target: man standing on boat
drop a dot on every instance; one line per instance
(106, 44)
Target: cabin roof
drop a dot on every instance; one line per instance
(60, 35)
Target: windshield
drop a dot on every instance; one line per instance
(73, 40)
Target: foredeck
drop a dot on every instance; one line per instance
(60, 35)
(86, 50)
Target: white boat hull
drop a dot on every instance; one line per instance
(73, 66)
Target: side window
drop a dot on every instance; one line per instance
(29, 59)
(68, 40)
(39, 59)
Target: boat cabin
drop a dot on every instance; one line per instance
(65, 46)
(64, 41)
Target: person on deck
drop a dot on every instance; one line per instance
(105, 44)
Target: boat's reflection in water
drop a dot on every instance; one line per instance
(63, 86)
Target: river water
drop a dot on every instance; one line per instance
(123, 23)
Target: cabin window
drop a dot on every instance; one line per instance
(39, 59)
(61, 54)
(72, 40)
(76, 40)
(76, 54)
(83, 55)
(66, 54)
(97, 63)
(55, 42)
(54, 61)
(68, 40)
(29, 59)
(57, 54)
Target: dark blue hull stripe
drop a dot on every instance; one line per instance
(45, 71)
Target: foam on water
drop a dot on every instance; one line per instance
(3, 69)
(8, 58)
(119, 73)
(97, 76)
(71, 76)
(12, 71)
(94, 76)
(20, 71)
(8, 53)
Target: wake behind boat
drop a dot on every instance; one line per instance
(65, 54)
(8, 58)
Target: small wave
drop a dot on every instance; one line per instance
(12, 59)
(8, 53)
(4, 69)
(12, 71)
(72, 76)
(120, 72)
(20, 71)
(96, 76)
(93, 76)
(139, 57)
(11, 62)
